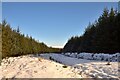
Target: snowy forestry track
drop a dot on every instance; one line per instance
(56, 66)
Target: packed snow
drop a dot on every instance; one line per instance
(68, 65)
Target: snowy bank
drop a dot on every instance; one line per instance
(33, 67)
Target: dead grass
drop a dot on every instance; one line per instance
(40, 59)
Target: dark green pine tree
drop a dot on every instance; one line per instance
(100, 37)
(14, 43)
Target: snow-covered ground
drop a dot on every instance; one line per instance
(56, 66)
(34, 67)
(87, 68)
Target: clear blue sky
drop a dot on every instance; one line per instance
(53, 23)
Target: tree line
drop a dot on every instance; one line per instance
(14, 43)
(102, 36)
